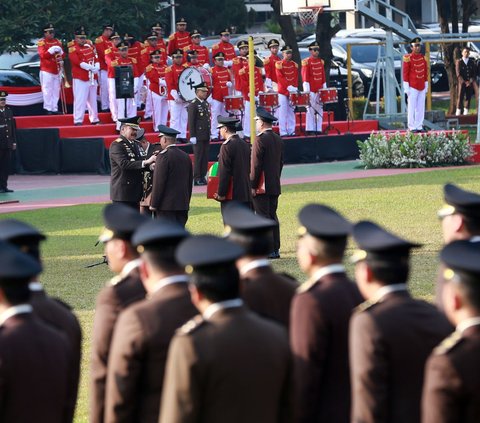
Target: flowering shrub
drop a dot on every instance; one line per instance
(387, 150)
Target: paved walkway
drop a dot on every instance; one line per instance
(44, 191)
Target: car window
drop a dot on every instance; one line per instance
(7, 60)
(17, 79)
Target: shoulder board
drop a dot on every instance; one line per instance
(323, 61)
(266, 61)
(172, 37)
(236, 60)
(185, 65)
(149, 68)
(114, 62)
(134, 60)
(296, 64)
(215, 46)
(304, 62)
(118, 140)
(41, 43)
(142, 45)
(108, 51)
(241, 71)
(448, 343)
(306, 286)
(70, 43)
(186, 48)
(62, 303)
(71, 49)
(168, 69)
(364, 306)
(144, 51)
(192, 325)
(98, 40)
(406, 58)
(278, 65)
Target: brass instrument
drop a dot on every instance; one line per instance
(91, 75)
(64, 82)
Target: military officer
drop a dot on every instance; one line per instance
(138, 352)
(269, 63)
(314, 79)
(157, 87)
(221, 85)
(233, 165)
(103, 43)
(452, 388)
(120, 292)
(264, 291)
(227, 365)
(287, 76)
(34, 357)
(8, 141)
(466, 71)
(51, 64)
(127, 165)
(172, 179)
(391, 334)
(179, 39)
(225, 47)
(199, 121)
(320, 317)
(202, 51)
(51, 311)
(415, 84)
(265, 172)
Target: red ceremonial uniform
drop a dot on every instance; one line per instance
(121, 61)
(178, 40)
(49, 62)
(269, 64)
(135, 52)
(313, 72)
(202, 53)
(245, 83)
(81, 54)
(238, 63)
(102, 44)
(220, 77)
(111, 54)
(415, 70)
(287, 74)
(146, 55)
(226, 48)
(172, 73)
(154, 72)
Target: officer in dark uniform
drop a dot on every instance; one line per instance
(121, 291)
(199, 121)
(466, 71)
(233, 164)
(264, 291)
(34, 357)
(127, 165)
(391, 334)
(172, 179)
(266, 166)
(50, 310)
(8, 141)
(228, 365)
(451, 391)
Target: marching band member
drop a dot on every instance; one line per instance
(85, 69)
(177, 106)
(192, 59)
(239, 62)
(202, 51)
(179, 39)
(157, 28)
(103, 43)
(112, 53)
(135, 52)
(221, 82)
(155, 73)
(313, 76)
(287, 75)
(269, 63)
(51, 62)
(225, 47)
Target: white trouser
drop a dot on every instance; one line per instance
(131, 109)
(286, 116)
(84, 96)
(246, 119)
(218, 109)
(138, 85)
(178, 117)
(159, 106)
(50, 90)
(416, 108)
(148, 101)
(111, 99)
(314, 118)
(104, 104)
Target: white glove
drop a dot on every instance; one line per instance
(426, 85)
(227, 63)
(406, 87)
(86, 66)
(312, 98)
(174, 94)
(97, 66)
(256, 99)
(193, 140)
(291, 89)
(52, 50)
(268, 83)
(206, 66)
(306, 87)
(229, 84)
(324, 85)
(209, 99)
(162, 82)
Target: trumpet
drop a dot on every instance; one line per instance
(63, 84)
(91, 74)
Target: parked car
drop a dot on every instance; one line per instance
(17, 78)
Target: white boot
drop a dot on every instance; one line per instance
(458, 112)
(465, 111)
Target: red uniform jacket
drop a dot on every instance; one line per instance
(178, 40)
(145, 54)
(49, 62)
(313, 72)
(81, 54)
(202, 53)
(244, 80)
(226, 48)
(102, 43)
(220, 77)
(238, 63)
(135, 52)
(172, 73)
(154, 72)
(269, 64)
(415, 70)
(120, 61)
(111, 53)
(287, 74)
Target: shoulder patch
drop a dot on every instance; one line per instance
(172, 37)
(304, 62)
(70, 43)
(98, 40)
(406, 58)
(71, 49)
(192, 325)
(118, 140)
(168, 69)
(108, 51)
(278, 65)
(241, 71)
(448, 343)
(144, 51)
(215, 46)
(149, 68)
(185, 65)
(41, 43)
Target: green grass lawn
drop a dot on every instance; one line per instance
(405, 204)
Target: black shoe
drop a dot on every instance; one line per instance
(147, 118)
(8, 190)
(274, 255)
(200, 182)
(78, 124)
(97, 123)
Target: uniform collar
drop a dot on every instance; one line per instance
(169, 280)
(388, 289)
(13, 311)
(254, 264)
(35, 286)
(130, 266)
(467, 323)
(222, 305)
(266, 130)
(475, 238)
(327, 270)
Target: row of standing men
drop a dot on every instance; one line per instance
(261, 349)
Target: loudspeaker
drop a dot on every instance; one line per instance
(123, 81)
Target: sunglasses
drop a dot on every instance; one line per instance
(417, 45)
(221, 59)
(314, 49)
(196, 36)
(81, 37)
(155, 57)
(49, 31)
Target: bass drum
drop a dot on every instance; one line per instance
(189, 78)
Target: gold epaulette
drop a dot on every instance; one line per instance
(406, 58)
(148, 68)
(296, 64)
(114, 62)
(71, 49)
(98, 40)
(134, 61)
(185, 65)
(185, 49)
(448, 343)
(143, 51)
(278, 64)
(41, 43)
(168, 69)
(118, 140)
(304, 62)
(192, 325)
(108, 51)
(172, 37)
(241, 71)
(215, 46)
(70, 43)
(266, 61)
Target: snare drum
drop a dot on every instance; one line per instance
(189, 78)
(233, 103)
(268, 100)
(328, 95)
(300, 99)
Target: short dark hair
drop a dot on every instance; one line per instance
(217, 285)
(162, 259)
(392, 272)
(472, 225)
(331, 248)
(254, 244)
(470, 287)
(16, 290)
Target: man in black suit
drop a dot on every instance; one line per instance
(466, 71)
(126, 183)
(8, 141)
(199, 126)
